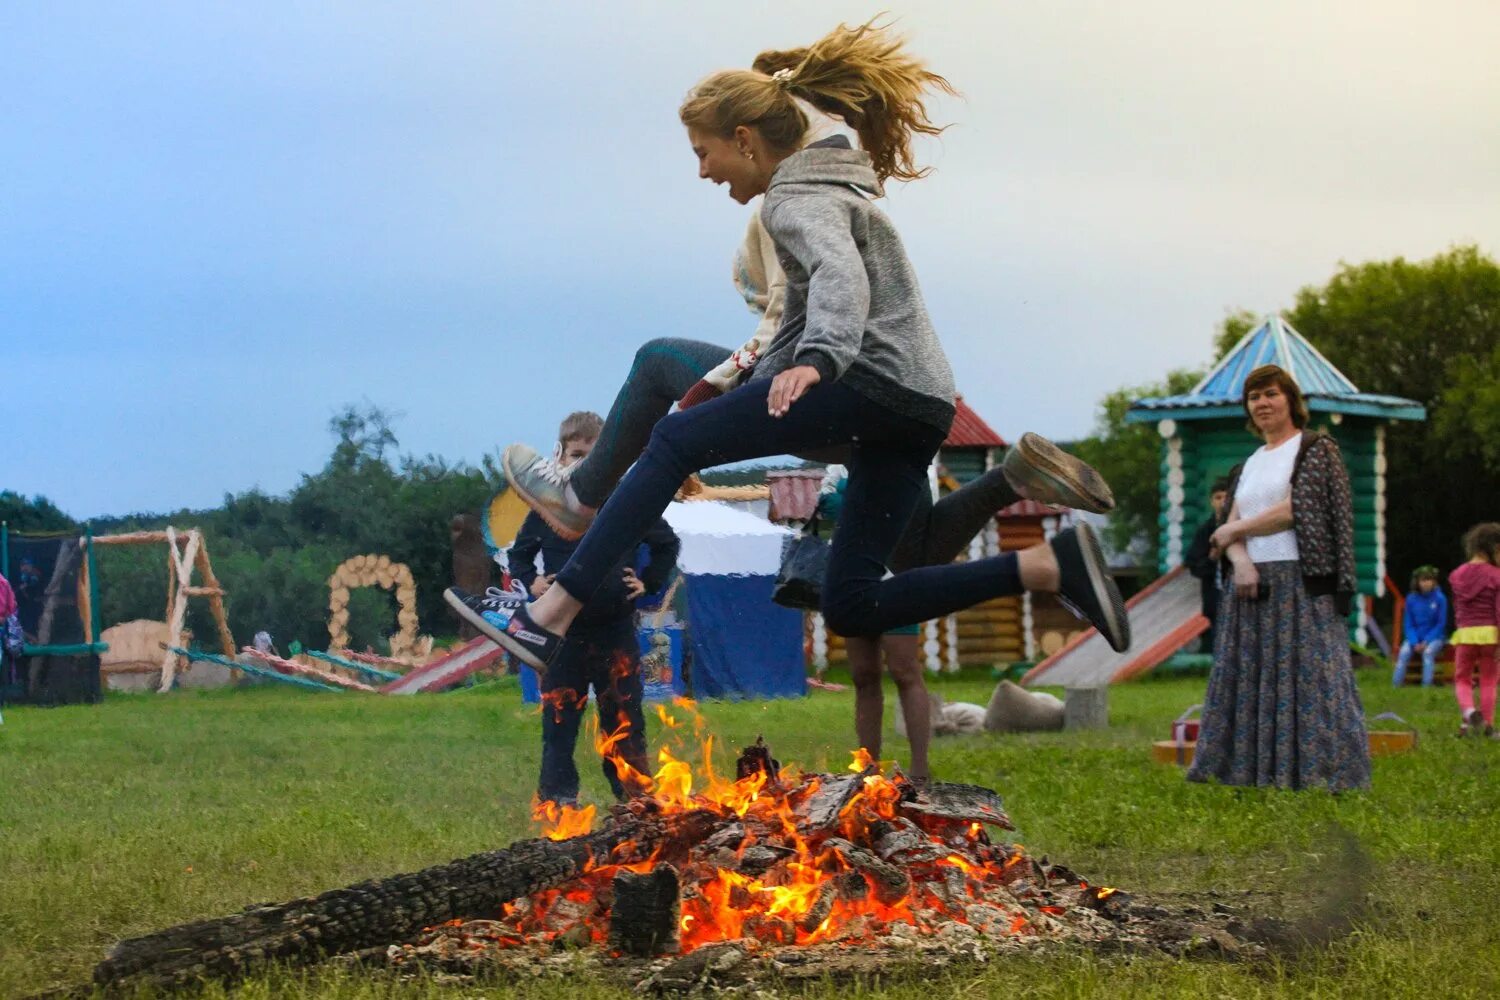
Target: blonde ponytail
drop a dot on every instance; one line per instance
(861, 75)
(864, 76)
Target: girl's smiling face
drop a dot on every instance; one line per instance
(728, 161)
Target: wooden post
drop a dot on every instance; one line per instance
(215, 597)
(85, 602)
(183, 568)
(1086, 708)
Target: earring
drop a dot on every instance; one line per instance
(749, 155)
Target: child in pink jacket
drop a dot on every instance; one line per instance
(1476, 605)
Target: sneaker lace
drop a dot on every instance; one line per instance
(549, 470)
(516, 592)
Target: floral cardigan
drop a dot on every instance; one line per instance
(1322, 517)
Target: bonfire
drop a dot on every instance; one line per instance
(789, 860)
(701, 879)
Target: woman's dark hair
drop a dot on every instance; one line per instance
(1268, 375)
(1422, 573)
(1482, 540)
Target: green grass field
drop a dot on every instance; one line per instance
(146, 811)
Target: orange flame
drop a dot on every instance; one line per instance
(562, 822)
(781, 905)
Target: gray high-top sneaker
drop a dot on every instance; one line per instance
(542, 483)
(1087, 589)
(1040, 470)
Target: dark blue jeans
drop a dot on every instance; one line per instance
(889, 455)
(663, 371)
(605, 657)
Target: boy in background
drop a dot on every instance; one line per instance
(1424, 625)
(1202, 564)
(601, 650)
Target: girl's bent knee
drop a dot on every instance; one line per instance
(849, 617)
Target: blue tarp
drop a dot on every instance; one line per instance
(742, 645)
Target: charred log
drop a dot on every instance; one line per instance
(958, 803)
(889, 882)
(643, 919)
(821, 908)
(379, 911)
(820, 811)
(757, 758)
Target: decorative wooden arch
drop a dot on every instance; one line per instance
(373, 571)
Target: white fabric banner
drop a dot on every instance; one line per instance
(720, 540)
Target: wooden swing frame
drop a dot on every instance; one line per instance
(180, 587)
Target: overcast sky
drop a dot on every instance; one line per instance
(221, 222)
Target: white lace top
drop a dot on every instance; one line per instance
(1265, 481)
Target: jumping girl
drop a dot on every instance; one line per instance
(855, 361)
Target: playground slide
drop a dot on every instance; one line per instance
(1164, 617)
(446, 671)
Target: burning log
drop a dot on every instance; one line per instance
(379, 911)
(759, 859)
(958, 803)
(643, 920)
(731, 835)
(821, 909)
(890, 883)
(904, 843)
(756, 759)
(821, 809)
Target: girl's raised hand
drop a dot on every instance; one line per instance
(790, 386)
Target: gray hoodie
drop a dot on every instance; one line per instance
(853, 309)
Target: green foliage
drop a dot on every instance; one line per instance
(1129, 458)
(1233, 326)
(1469, 409)
(274, 554)
(1430, 331)
(23, 513)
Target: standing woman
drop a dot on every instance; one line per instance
(855, 360)
(1282, 708)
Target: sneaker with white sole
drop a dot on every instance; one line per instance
(1086, 587)
(543, 484)
(491, 610)
(529, 642)
(1039, 470)
(502, 618)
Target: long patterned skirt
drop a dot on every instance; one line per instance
(1282, 708)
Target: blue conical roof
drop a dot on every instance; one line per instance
(1274, 342)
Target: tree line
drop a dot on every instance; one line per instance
(274, 554)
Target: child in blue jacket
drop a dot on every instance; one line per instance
(1424, 626)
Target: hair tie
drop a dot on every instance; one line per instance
(783, 76)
